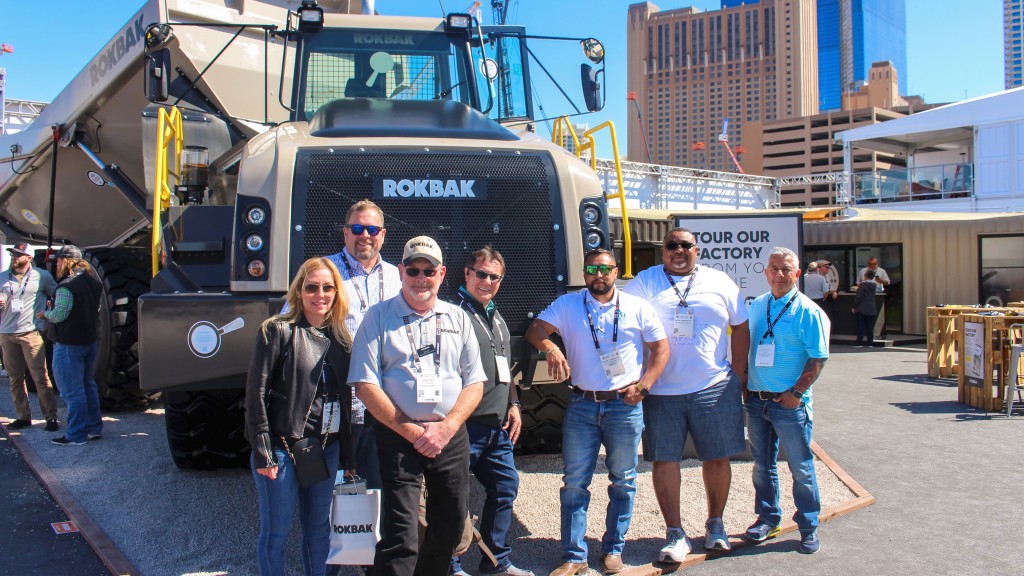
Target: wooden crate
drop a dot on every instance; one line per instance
(984, 359)
(943, 337)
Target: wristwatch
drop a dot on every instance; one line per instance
(797, 395)
(516, 403)
(643, 391)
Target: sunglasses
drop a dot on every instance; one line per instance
(358, 229)
(673, 246)
(414, 272)
(593, 269)
(315, 288)
(483, 275)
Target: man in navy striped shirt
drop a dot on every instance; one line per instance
(789, 346)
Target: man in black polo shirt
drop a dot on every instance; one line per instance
(494, 426)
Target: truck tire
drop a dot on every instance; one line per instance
(543, 409)
(124, 273)
(206, 429)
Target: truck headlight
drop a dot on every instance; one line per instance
(591, 215)
(254, 243)
(594, 240)
(256, 216)
(256, 268)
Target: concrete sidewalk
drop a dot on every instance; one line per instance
(948, 479)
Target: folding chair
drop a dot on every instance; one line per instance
(1014, 386)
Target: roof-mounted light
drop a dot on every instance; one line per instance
(311, 16)
(458, 23)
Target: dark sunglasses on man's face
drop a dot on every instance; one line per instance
(358, 229)
(593, 269)
(414, 272)
(673, 246)
(481, 275)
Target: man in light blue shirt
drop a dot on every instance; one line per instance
(789, 346)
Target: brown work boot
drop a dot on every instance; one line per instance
(612, 564)
(570, 569)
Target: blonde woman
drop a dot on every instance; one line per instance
(297, 416)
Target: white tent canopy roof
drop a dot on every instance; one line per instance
(947, 124)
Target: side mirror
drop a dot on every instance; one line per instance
(593, 96)
(593, 49)
(158, 71)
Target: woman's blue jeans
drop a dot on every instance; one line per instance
(278, 499)
(73, 367)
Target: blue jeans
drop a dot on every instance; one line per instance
(278, 499)
(586, 426)
(769, 423)
(490, 460)
(73, 367)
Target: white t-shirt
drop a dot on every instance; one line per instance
(879, 273)
(698, 362)
(638, 324)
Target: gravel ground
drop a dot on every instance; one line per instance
(174, 522)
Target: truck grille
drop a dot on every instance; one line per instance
(517, 217)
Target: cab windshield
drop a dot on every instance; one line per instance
(391, 64)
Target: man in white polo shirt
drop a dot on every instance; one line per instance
(605, 332)
(699, 393)
(416, 366)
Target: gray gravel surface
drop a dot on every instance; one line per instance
(175, 522)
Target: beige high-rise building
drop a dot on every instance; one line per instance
(692, 70)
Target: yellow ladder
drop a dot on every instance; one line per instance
(563, 129)
(168, 132)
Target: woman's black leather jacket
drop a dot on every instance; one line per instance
(283, 375)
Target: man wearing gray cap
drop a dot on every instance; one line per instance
(24, 290)
(75, 317)
(416, 366)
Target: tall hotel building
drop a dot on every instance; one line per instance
(1012, 50)
(689, 71)
(853, 35)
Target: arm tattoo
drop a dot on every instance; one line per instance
(810, 374)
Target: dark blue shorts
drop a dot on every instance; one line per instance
(713, 417)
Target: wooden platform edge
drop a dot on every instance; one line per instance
(862, 499)
(97, 539)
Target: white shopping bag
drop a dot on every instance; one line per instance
(355, 525)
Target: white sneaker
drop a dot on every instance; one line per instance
(716, 538)
(676, 547)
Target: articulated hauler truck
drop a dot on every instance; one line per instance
(214, 145)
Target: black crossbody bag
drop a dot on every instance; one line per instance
(308, 453)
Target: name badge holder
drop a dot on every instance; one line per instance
(611, 362)
(17, 305)
(765, 356)
(330, 420)
(682, 320)
(428, 381)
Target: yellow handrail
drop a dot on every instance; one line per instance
(561, 129)
(168, 130)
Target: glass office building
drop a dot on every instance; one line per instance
(852, 34)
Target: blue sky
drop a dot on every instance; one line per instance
(953, 48)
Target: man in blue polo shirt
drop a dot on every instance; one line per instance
(789, 346)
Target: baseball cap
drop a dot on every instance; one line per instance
(20, 248)
(824, 263)
(70, 251)
(422, 247)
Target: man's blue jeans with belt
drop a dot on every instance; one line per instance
(586, 426)
(768, 424)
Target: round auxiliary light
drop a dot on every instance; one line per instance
(254, 243)
(256, 268)
(591, 215)
(594, 240)
(256, 216)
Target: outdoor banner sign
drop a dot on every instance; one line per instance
(739, 244)
(974, 353)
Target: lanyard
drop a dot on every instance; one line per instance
(682, 297)
(363, 302)
(24, 282)
(437, 344)
(590, 320)
(487, 329)
(768, 317)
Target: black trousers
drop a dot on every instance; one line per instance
(402, 469)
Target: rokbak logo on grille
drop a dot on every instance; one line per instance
(429, 188)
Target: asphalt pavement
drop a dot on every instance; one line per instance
(947, 479)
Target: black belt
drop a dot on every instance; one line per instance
(763, 395)
(597, 395)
